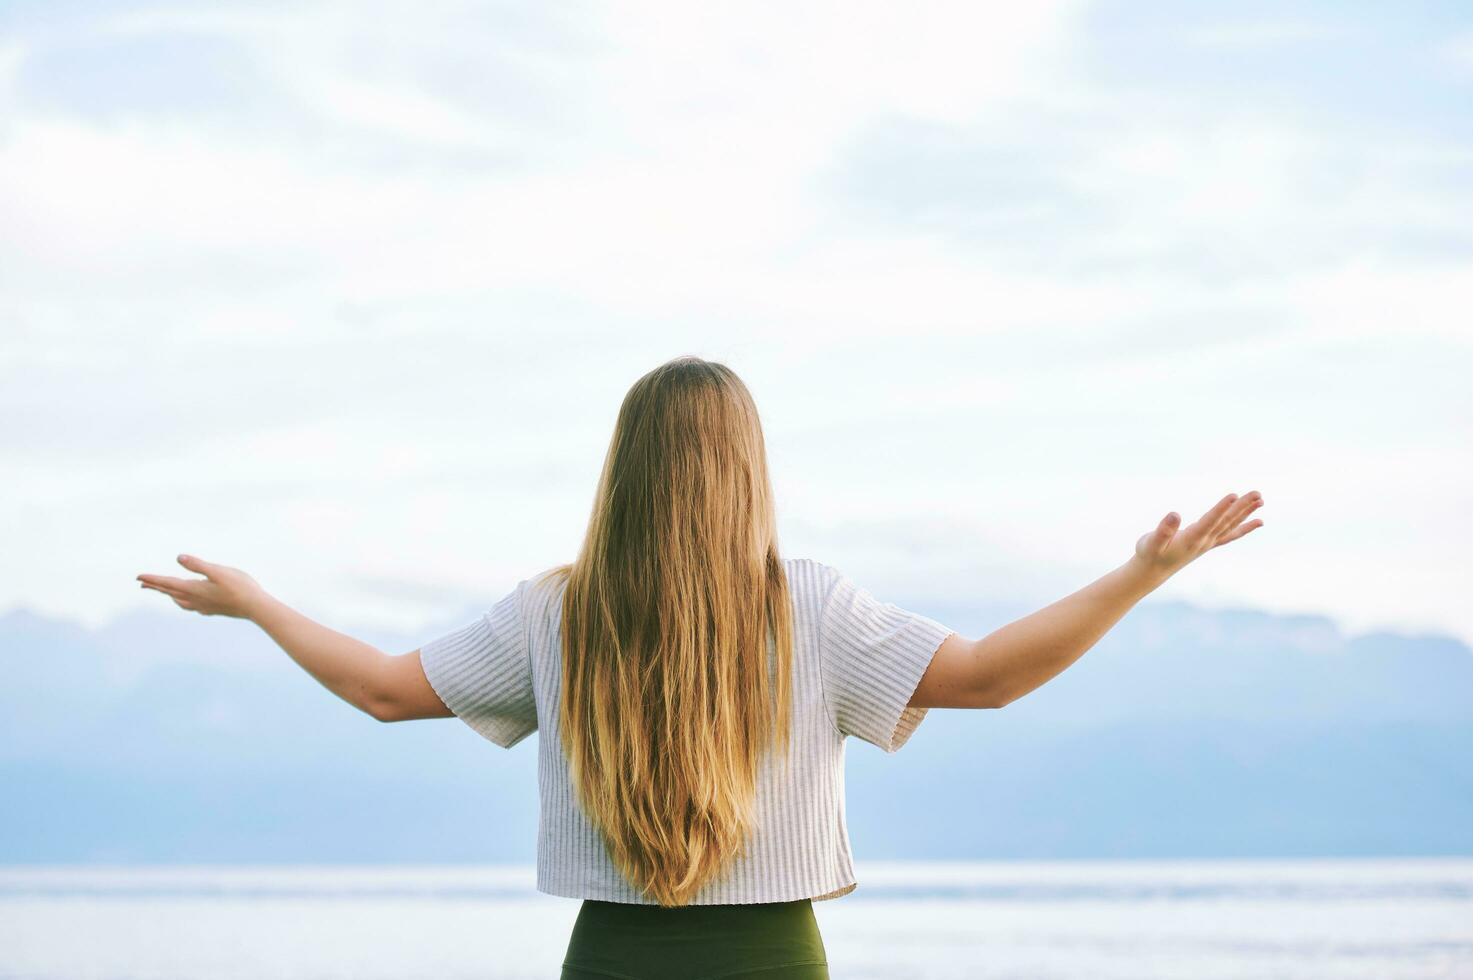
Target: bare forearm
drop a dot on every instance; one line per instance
(345, 666)
(1029, 652)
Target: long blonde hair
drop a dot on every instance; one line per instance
(667, 700)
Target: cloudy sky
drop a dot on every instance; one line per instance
(347, 295)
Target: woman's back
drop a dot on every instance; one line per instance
(856, 662)
(642, 663)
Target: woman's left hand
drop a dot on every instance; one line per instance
(224, 591)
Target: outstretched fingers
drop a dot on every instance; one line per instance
(1244, 506)
(169, 582)
(1237, 533)
(1233, 525)
(182, 599)
(1206, 527)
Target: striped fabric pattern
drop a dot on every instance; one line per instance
(856, 662)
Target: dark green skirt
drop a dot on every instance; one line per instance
(763, 941)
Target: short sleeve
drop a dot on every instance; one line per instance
(483, 672)
(872, 655)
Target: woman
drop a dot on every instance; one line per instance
(700, 687)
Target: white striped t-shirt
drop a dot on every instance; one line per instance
(856, 663)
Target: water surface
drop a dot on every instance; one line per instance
(1386, 919)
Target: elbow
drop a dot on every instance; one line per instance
(989, 687)
(995, 694)
(381, 709)
(992, 699)
(374, 696)
(1000, 695)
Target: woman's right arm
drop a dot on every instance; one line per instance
(1027, 653)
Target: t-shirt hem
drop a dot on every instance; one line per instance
(607, 895)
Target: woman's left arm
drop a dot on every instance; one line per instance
(389, 688)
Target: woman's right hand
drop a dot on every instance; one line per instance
(1166, 550)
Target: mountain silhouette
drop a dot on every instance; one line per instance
(1185, 732)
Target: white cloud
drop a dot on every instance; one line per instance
(381, 329)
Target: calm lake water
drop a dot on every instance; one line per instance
(1282, 919)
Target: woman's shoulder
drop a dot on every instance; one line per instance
(809, 575)
(542, 593)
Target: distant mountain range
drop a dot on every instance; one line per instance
(1185, 732)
